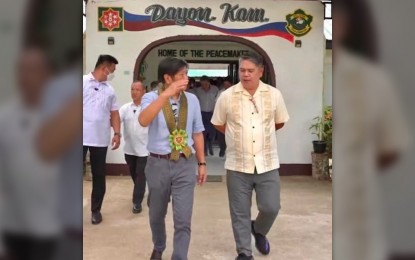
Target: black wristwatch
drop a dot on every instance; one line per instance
(119, 134)
(201, 163)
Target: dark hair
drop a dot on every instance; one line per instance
(253, 57)
(154, 84)
(170, 66)
(102, 59)
(204, 78)
(360, 35)
(229, 79)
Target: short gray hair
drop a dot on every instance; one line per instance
(253, 57)
(138, 81)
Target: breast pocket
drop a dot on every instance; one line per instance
(102, 106)
(106, 102)
(213, 96)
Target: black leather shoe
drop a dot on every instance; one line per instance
(96, 218)
(242, 256)
(210, 150)
(221, 153)
(137, 208)
(156, 255)
(261, 242)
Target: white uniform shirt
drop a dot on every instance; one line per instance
(250, 133)
(135, 136)
(98, 101)
(28, 185)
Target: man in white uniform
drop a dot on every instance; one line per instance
(100, 112)
(28, 185)
(135, 147)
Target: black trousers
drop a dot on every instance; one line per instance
(210, 131)
(97, 156)
(23, 247)
(136, 165)
(221, 141)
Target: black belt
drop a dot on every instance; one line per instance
(165, 156)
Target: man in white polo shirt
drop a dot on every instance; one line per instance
(100, 112)
(135, 147)
(249, 113)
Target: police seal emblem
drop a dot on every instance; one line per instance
(299, 23)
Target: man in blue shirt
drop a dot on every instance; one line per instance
(176, 146)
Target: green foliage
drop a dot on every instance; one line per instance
(322, 126)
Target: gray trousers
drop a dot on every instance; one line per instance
(165, 179)
(240, 186)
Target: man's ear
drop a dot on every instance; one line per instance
(261, 70)
(167, 79)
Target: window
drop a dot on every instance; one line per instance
(327, 19)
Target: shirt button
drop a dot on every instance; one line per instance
(254, 155)
(252, 112)
(254, 141)
(253, 127)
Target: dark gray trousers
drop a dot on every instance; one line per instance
(136, 165)
(177, 180)
(240, 186)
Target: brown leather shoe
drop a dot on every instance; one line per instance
(156, 255)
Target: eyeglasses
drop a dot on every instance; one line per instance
(253, 102)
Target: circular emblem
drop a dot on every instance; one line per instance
(178, 139)
(299, 23)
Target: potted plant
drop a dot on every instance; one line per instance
(322, 127)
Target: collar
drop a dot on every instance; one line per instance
(178, 100)
(134, 105)
(91, 77)
(261, 88)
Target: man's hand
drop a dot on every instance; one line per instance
(202, 176)
(115, 142)
(176, 87)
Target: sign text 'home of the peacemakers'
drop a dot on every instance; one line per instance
(198, 53)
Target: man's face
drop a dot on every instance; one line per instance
(205, 84)
(249, 73)
(137, 90)
(180, 75)
(108, 70)
(226, 84)
(32, 72)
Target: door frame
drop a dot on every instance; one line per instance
(216, 38)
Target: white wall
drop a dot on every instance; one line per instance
(299, 71)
